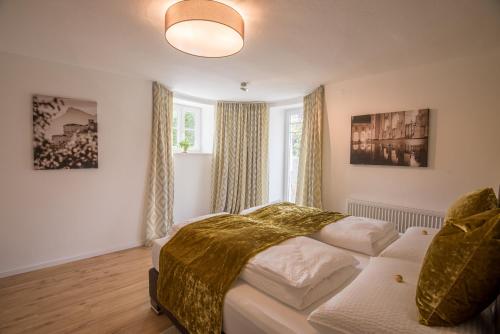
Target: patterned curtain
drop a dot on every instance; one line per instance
(309, 177)
(160, 195)
(239, 167)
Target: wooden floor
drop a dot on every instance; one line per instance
(104, 294)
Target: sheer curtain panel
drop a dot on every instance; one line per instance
(239, 167)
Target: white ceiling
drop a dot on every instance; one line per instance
(291, 46)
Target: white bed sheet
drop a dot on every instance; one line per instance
(247, 310)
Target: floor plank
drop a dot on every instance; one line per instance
(103, 294)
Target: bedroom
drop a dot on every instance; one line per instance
(406, 107)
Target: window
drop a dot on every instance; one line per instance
(292, 151)
(186, 126)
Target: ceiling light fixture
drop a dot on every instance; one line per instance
(244, 86)
(204, 28)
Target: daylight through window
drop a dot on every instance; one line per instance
(186, 126)
(292, 151)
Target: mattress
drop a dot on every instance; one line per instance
(412, 245)
(248, 310)
(398, 313)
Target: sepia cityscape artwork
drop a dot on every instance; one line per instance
(397, 139)
(64, 133)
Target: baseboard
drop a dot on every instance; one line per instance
(51, 263)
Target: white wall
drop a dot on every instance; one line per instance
(193, 170)
(192, 185)
(464, 153)
(49, 217)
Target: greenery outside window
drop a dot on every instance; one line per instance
(186, 126)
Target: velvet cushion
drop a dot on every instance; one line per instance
(471, 204)
(460, 275)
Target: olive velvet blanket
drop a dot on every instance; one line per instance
(203, 259)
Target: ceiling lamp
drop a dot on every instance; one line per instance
(204, 28)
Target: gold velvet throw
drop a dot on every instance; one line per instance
(201, 262)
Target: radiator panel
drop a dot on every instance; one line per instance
(402, 217)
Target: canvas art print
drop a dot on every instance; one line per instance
(398, 138)
(64, 133)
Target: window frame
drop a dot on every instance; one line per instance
(288, 116)
(180, 109)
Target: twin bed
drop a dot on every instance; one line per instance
(370, 290)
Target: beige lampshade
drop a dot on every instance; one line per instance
(204, 28)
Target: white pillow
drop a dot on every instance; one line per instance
(299, 262)
(255, 208)
(376, 303)
(382, 244)
(176, 227)
(303, 297)
(356, 233)
(412, 245)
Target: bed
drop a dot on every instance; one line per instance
(248, 310)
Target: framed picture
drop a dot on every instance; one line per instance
(397, 138)
(64, 133)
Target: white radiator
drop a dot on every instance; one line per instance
(402, 217)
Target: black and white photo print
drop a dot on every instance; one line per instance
(64, 133)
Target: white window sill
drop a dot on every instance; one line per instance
(191, 153)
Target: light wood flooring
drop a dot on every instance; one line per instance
(103, 294)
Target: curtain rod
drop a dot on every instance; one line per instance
(278, 103)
